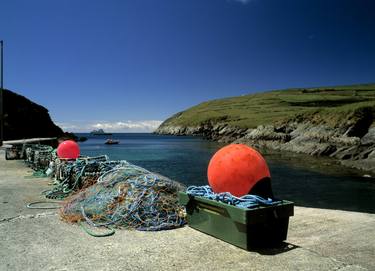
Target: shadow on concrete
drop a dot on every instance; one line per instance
(276, 249)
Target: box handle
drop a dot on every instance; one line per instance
(212, 209)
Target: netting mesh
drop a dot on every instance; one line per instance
(39, 156)
(62, 168)
(74, 175)
(130, 197)
(108, 193)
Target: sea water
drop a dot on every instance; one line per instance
(308, 181)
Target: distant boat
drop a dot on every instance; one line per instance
(99, 132)
(111, 142)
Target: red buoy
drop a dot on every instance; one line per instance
(236, 168)
(68, 149)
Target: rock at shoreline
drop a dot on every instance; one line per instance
(26, 119)
(305, 137)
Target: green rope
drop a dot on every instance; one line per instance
(89, 232)
(37, 174)
(31, 205)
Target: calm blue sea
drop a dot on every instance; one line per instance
(308, 181)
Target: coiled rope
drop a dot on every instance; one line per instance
(246, 201)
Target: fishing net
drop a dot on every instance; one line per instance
(128, 196)
(62, 168)
(74, 175)
(38, 156)
(109, 193)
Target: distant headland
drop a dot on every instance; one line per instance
(323, 121)
(26, 119)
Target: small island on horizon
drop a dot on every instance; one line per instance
(99, 132)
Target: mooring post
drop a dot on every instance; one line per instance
(1, 93)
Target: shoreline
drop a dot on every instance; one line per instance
(302, 138)
(318, 239)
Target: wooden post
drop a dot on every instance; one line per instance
(1, 94)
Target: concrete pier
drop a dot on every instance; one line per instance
(33, 239)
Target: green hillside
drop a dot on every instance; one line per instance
(331, 105)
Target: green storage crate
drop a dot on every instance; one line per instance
(263, 226)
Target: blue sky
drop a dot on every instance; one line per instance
(126, 65)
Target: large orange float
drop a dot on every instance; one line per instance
(236, 168)
(68, 149)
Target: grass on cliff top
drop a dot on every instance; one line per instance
(331, 105)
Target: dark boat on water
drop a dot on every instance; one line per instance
(111, 142)
(99, 132)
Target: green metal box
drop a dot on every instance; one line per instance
(263, 226)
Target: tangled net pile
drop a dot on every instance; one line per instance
(107, 193)
(128, 196)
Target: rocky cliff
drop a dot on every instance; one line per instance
(342, 128)
(26, 119)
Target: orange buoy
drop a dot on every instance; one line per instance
(236, 168)
(68, 149)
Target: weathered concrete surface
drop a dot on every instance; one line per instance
(39, 240)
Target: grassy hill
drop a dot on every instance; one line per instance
(330, 105)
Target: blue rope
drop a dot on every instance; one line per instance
(246, 201)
